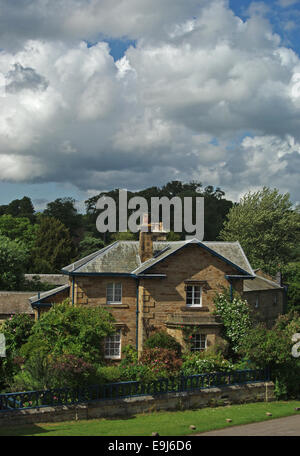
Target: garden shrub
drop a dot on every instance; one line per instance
(130, 355)
(109, 374)
(140, 373)
(204, 362)
(72, 372)
(16, 330)
(35, 374)
(66, 329)
(161, 339)
(236, 318)
(47, 372)
(162, 361)
(273, 348)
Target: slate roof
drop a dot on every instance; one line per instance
(15, 303)
(47, 294)
(260, 283)
(123, 257)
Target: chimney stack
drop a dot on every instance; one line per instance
(279, 278)
(145, 245)
(150, 232)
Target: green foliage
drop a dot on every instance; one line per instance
(19, 208)
(53, 247)
(35, 284)
(171, 236)
(130, 355)
(48, 372)
(204, 362)
(64, 210)
(161, 360)
(109, 374)
(273, 348)
(216, 207)
(267, 227)
(89, 244)
(17, 228)
(16, 330)
(141, 373)
(65, 329)
(162, 339)
(291, 277)
(236, 319)
(124, 236)
(13, 258)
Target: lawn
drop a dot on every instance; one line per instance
(165, 423)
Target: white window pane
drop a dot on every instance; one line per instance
(113, 345)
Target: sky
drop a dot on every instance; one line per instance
(101, 94)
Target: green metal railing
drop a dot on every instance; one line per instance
(114, 391)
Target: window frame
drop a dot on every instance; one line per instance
(109, 340)
(193, 286)
(114, 293)
(194, 336)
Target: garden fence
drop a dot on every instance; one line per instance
(68, 396)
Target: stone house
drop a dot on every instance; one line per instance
(18, 302)
(153, 284)
(13, 302)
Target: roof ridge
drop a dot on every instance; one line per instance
(88, 258)
(268, 280)
(48, 293)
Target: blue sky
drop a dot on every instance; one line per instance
(104, 95)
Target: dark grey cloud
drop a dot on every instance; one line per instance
(20, 78)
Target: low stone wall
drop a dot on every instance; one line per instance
(235, 394)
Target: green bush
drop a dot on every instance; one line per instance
(66, 329)
(130, 355)
(236, 318)
(47, 372)
(162, 339)
(162, 361)
(109, 374)
(204, 362)
(140, 373)
(273, 348)
(16, 330)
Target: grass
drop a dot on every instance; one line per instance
(165, 423)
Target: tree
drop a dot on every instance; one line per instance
(69, 330)
(266, 226)
(89, 244)
(20, 208)
(161, 339)
(17, 228)
(64, 349)
(16, 330)
(64, 210)
(215, 206)
(291, 277)
(13, 259)
(273, 348)
(124, 236)
(53, 247)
